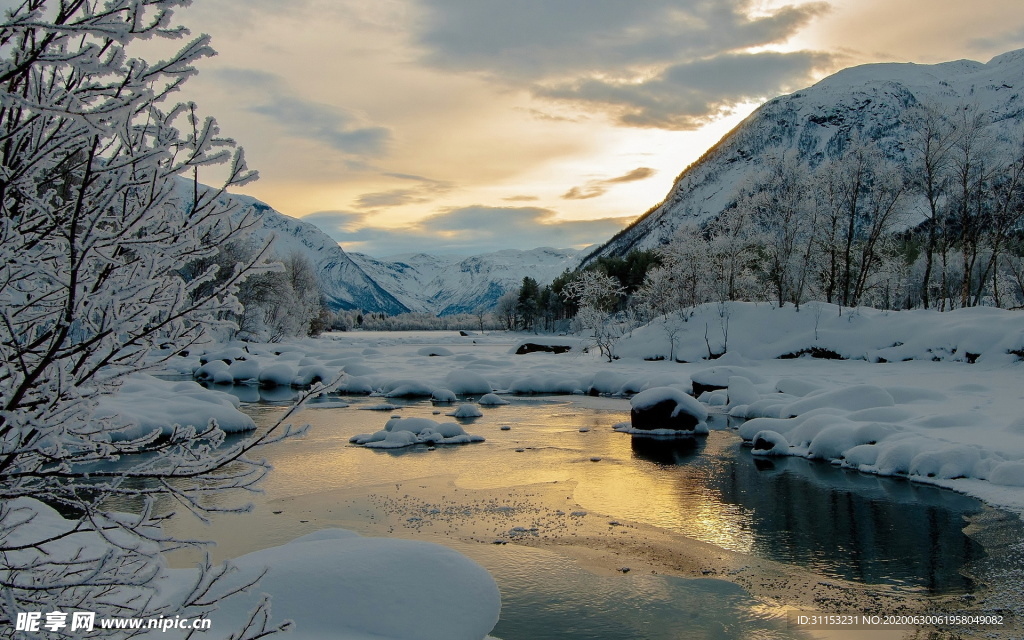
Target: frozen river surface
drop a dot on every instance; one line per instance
(552, 471)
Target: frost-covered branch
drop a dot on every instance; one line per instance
(101, 216)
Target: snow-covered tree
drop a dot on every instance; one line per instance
(596, 293)
(101, 214)
(280, 304)
(506, 309)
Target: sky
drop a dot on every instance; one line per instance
(468, 126)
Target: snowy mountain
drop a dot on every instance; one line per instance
(815, 124)
(344, 284)
(446, 285)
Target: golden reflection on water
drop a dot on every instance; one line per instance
(545, 444)
(692, 487)
(705, 488)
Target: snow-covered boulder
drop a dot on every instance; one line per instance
(311, 374)
(466, 383)
(404, 432)
(492, 400)
(145, 404)
(544, 383)
(742, 391)
(667, 408)
(443, 395)
(607, 383)
(354, 386)
(853, 398)
(718, 378)
(468, 410)
(796, 386)
(1009, 473)
(770, 443)
(242, 370)
(279, 374)
(215, 371)
(407, 389)
(434, 351)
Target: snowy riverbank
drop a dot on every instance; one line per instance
(935, 397)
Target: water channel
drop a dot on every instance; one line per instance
(497, 501)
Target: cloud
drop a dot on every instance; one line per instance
(640, 173)
(597, 188)
(337, 128)
(426, 191)
(466, 231)
(688, 95)
(1005, 41)
(625, 58)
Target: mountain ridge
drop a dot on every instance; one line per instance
(446, 285)
(344, 284)
(817, 122)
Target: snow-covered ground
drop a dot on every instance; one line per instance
(936, 397)
(331, 584)
(932, 397)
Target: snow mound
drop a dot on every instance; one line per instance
(405, 432)
(443, 395)
(434, 351)
(742, 391)
(718, 377)
(215, 371)
(407, 389)
(466, 411)
(337, 584)
(545, 383)
(862, 396)
(607, 382)
(667, 408)
(279, 374)
(492, 400)
(145, 404)
(465, 383)
(821, 330)
(354, 386)
(770, 443)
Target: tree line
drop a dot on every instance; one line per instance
(935, 225)
(943, 229)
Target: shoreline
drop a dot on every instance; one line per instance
(546, 516)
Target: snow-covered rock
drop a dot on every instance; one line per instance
(404, 388)
(404, 432)
(862, 396)
(465, 383)
(492, 400)
(667, 408)
(144, 404)
(769, 443)
(468, 410)
(443, 395)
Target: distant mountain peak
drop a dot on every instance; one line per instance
(446, 285)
